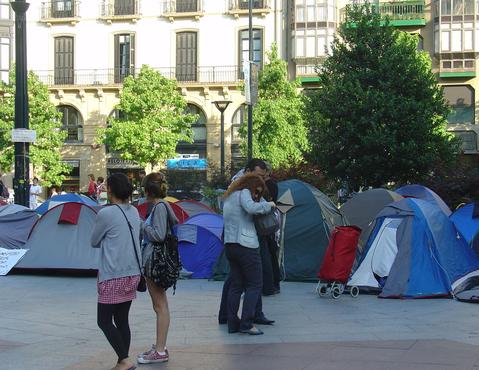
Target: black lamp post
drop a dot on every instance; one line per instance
(250, 106)
(22, 149)
(221, 105)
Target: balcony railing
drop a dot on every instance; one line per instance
(120, 8)
(115, 76)
(182, 6)
(59, 9)
(306, 70)
(396, 11)
(238, 5)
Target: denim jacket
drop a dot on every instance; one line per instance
(238, 211)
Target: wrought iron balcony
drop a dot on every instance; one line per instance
(400, 13)
(120, 9)
(115, 76)
(241, 7)
(59, 10)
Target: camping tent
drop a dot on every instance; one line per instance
(180, 213)
(413, 251)
(363, 207)
(424, 193)
(15, 225)
(61, 239)
(306, 227)
(193, 207)
(467, 225)
(62, 198)
(200, 243)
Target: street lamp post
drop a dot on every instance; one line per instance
(250, 106)
(221, 105)
(22, 149)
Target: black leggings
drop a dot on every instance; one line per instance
(118, 334)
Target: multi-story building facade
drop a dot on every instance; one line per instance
(84, 49)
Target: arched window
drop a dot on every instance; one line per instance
(72, 123)
(199, 134)
(239, 118)
(460, 99)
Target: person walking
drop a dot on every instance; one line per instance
(35, 191)
(155, 230)
(117, 234)
(242, 200)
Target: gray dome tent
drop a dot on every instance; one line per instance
(307, 223)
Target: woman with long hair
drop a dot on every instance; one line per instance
(117, 234)
(155, 229)
(242, 201)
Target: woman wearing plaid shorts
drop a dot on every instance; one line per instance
(119, 270)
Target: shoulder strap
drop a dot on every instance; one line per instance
(131, 234)
(168, 222)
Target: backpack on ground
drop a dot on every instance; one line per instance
(164, 266)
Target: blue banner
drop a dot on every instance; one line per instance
(187, 164)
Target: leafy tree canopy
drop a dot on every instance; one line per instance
(379, 115)
(154, 119)
(45, 119)
(279, 129)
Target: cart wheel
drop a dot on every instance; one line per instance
(336, 292)
(323, 290)
(354, 291)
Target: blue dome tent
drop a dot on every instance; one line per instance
(414, 251)
(199, 243)
(64, 198)
(424, 193)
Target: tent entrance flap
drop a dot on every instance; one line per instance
(380, 256)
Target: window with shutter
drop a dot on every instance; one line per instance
(62, 8)
(186, 6)
(124, 56)
(124, 7)
(243, 51)
(63, 64)
(186, 56)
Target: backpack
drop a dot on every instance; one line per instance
(163, 267)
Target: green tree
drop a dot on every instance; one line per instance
(379, 115)
(279, 129)
(44, 118)
(153, 121)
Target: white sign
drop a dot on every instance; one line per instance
(188, 156)
(9, 258)
(22, 135)
(246, 72)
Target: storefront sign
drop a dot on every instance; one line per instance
(187, 164)
(121, 163)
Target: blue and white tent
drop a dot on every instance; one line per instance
(466, 224)
(199, 243)
(424, 193)
(413, 251)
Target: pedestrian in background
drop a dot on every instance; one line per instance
(35, 191)
(243, 199)
(101, 193)
(117, 234)
(91, 187)
(155, 229)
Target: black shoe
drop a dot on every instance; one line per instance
(267, 294)
(252, 331)
(277, 291)
(263, 321)
(231, 331)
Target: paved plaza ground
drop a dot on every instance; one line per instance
(49, 322)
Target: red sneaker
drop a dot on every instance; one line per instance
(154, 357)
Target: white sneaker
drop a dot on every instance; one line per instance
(151, 350)
(154, 357)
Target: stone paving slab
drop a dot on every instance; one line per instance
(49, 322)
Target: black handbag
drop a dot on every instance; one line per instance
(142, 284)
(267, 223)
(164, 265)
